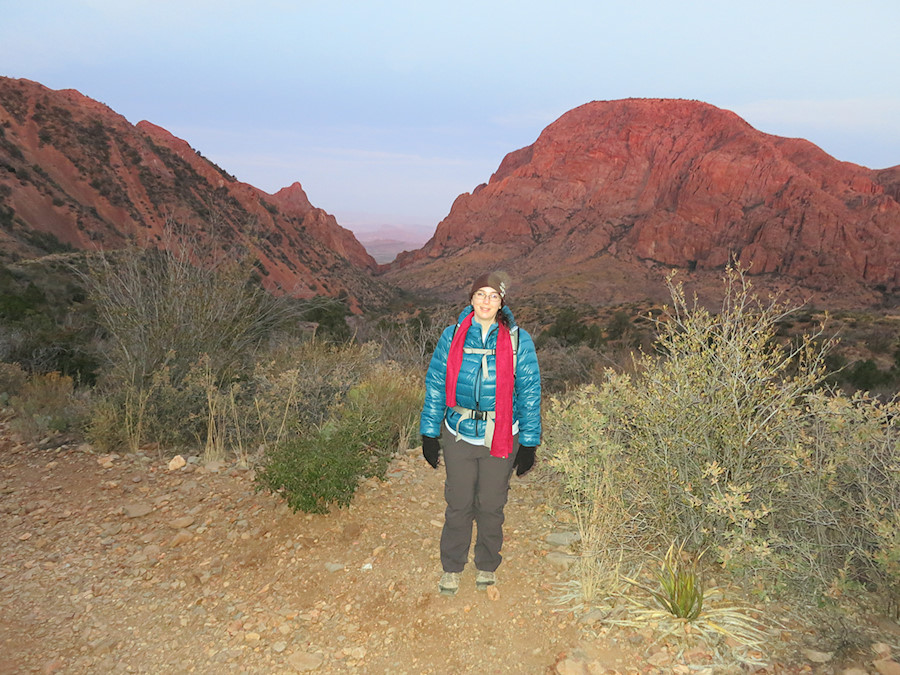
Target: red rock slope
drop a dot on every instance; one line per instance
(615, 193)
(75, 174)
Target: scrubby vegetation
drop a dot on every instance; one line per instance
(734, 440)
(323, 464)
(180, 350)
(727, 440)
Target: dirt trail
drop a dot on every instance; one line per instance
(118, 564)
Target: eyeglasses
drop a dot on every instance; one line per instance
(481, 296)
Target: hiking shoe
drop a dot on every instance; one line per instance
(449, 583)
(484, 579)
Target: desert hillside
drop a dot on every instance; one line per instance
(614, 194)
(74, 174)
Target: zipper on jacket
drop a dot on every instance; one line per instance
(478, 378)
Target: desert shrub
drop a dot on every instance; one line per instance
(408, 340)
(330, 315)
(293, 388)
(12, 378)
(165, 308)
(846, 480)
(564, 366)
(44, 325)
(718, 430)
(324, 464)
(620, 326)
(594, 472)
(46, 403)
(166, 314)
(865, 375)
(570, 328)
(166, 411)
(710, 410)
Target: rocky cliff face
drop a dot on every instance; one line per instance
(76, 175)
(614, 194)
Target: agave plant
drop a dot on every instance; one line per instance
(680, 591)
(680, 599)
(681, 587)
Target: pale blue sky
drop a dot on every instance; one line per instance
(387, 111)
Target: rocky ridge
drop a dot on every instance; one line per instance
(76, 175)
(614, 194)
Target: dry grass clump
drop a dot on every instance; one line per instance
(43, 403)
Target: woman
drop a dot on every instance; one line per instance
(482, 397)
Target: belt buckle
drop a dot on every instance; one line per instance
(479, 415)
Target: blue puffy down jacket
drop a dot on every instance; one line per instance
(475, 391)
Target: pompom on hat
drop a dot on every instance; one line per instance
(498, 280)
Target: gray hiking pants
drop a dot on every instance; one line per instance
(475, 490)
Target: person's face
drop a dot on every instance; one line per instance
(486, 303)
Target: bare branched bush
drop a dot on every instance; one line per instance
(408, 340)
(162, 311)
(563, 367)
(166, 307)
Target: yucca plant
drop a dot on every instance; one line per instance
(680, 591)
(681, 586)
(682, 604)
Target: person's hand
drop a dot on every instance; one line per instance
(524, 460)
(431, 450)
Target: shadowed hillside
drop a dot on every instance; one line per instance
(76, 175)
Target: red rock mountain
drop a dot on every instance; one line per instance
(75, 174)
(614, 194)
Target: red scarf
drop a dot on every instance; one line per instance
(502, 444)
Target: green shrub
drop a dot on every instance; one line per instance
(313, 471)
(331, 317)
(323, 465)
(867, 376)
(570, 329)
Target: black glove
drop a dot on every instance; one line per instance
(431, 450)
(524, 460)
